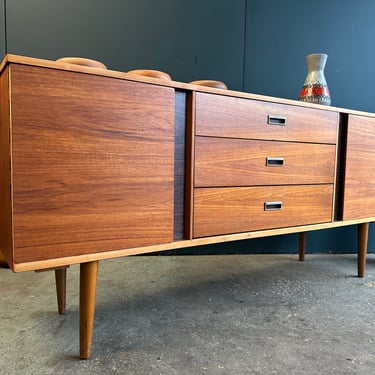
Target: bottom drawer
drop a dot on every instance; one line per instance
(220, 211)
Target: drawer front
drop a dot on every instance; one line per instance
(225, 116)
(219, 211)
(242, 162)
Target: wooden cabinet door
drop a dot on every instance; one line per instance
(92, 163)
(359, 187)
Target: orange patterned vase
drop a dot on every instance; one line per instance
(315, 89)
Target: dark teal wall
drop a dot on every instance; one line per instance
(190, 40)
(253, 45)
(280, 33)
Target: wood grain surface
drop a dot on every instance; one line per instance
(242, 162)
(92, 163)
(224, 116)
(359, 185)
(220, 211)
(6, 244)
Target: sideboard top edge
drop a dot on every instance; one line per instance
(33, 61)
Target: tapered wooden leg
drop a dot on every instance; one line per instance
(362, 248)
(3, 263)
(302, 245)
(60, 277)
(88, 278)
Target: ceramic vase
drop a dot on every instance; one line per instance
(315, 89)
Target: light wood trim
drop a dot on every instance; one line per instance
(51, 263)
(82, 61)
(151, 73)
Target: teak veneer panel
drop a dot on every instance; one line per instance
(359, 186)
(225, 116)
(240, 162)
(92, 163)
(5, 171)
(219, 211)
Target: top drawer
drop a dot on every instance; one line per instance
(226, 116)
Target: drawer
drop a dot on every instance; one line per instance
(225, 116)
(220, 211)
(243, 162)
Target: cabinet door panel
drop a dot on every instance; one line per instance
(240, 162)
(220, 211)
(359, 189)
(92, 162)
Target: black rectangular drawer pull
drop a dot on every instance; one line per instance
(274, 162)
(273, 206)
(276, 120)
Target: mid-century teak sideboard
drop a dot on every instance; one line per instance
(97, 164)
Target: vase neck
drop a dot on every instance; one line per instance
(316, 61)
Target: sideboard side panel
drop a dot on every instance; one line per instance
(6, 242)
(359, 201)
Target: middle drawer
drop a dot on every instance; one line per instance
(243, 162)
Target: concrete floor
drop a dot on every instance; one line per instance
(227, 314)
